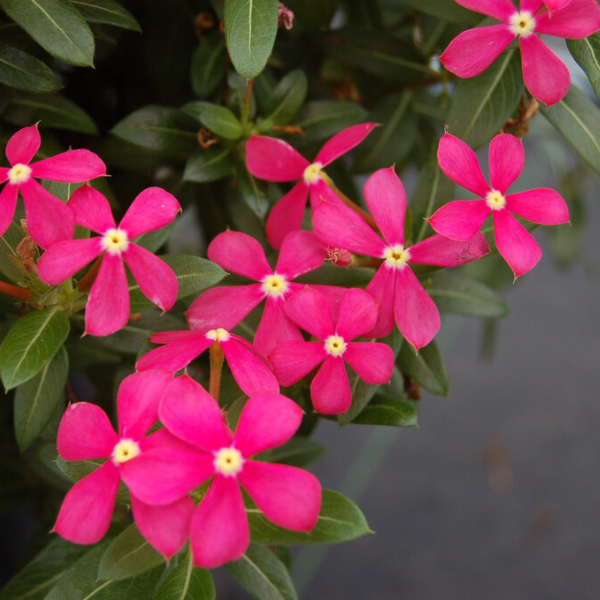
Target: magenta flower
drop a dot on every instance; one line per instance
(48, 219)
(330, 388)
(275, 160)
(242, 254)
(85, 433)
(400, 294)
(288, 496)
(461, 219)
(546, 76)
(107, 309)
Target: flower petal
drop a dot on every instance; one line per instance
(556, 4)
(288, 496)
(152, 209)
(273, 159)
(300, 253)
(444, 252)
(580, 19)
(267, 421)
(309, 309)
(460, 219)
(87, 509)
(293, 360)
(358, 314)
(23, 145)
(541, 205)
(175, 355)
(62, 260)
(85, 433)
(220, 532)
(72, 166)
(515, 243)
(330, 389)
(240, 253)
(275, 328)
(8, 203)
(287, 214)
(91, 209)
(498, 9)
(343, 142)
(372, 361)
(382, 288)
(507, 158)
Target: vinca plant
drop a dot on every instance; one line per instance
(223, 221)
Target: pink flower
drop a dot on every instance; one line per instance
(242, 254)
(251, 370)
(48, 219)
(545, 75)
(400, 294)
(330, 388)
(107, 309)
(275, 160)
(85, 433)
(461, 219)
(285, 16)
(288, 496)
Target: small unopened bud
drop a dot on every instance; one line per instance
(286, 17)
(340, 257)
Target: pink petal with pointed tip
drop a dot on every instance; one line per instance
(175, 355)
(309, 309)
(541, 205)
(358, 314)
(220, 532)
(515, 243)
(72, 166)
(330, 389)
(441, 251)
(545, 75)
(382, 288)
(166, 337)
(267, 421)
(417, 316)
(287, 214)
(473, 51)
(91, 209)
(240, 253)
(507, 158)
(288, 496)
(580, 19)
(498, 9)
(155, 277)
(531, 6)
(48, 219)
(293, 360)
(372, 361)
(556, 4)
(165, 440)
(23, 145)
(87, 509)
(152, 209)
(320, 193)
(62, 260)
(250, 369)
(274, 327)
(165, 527)
(190, 413)
(300, 253)
(460, 219)
(107, 309)
(8, 203)
(343, 142)
(274, 160)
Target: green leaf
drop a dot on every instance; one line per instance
(30, 344)
(193, 273)
(262, 575)
(298, 452)
(250, 30)
(207, 69)
(194, 109)
(107, 12)
(286, 100)
(24, 72)
(56, 26)
(482, 104)
(466, 297)
(577, 117)
(221, 121)
(447, 10)
(128, 555)
(427, 367)
(36, 400)
(8, 247)
(340, 520)
(313, 14)
(187, 582)
(252, 191)
(587, 53)
(208, 164)
(53, 110)
(388, 410)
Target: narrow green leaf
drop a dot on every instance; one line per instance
(250, 30)
(24, 72)
(298, 452)
(587, 53)
(262, 575)
(207, 70)
(208, 164)
(221, 121)
(448, 10)
(286, 99)
(36, 400)
(187, 582)
(194, 109)
(30, 344)
(155, 239)
(252, 191)
(107, 12)
(56, 26)
(8, 247)
(427, 367)
(390, 411)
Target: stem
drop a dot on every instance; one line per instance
(247, 103)
(85, 285)
(217, 357)
(16, 291)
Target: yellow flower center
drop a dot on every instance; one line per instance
(115, 241)
(125, 450)
(396, 256)
(522, 23)
(19, 173)
(228, 461)
(495, 200)
(275, 285)
(218, 335)
(335, 345)
(312, 173)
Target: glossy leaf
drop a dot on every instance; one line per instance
(207, 70)
(24, 72)
(208, 164)
(252, 191)
(221, 121)
(298, 452)
(187, 582)
(388, 410)
(8, 247)
(285, 100)
(107, 12)
(427, 367)
(587, 53)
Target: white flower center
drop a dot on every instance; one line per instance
(218, 335)
(228, 461)
(312, 173)
(335, 345)
(19, 173)
(275, 285)
(495, 200)
(125, 450)
(522, 23)
(396, 256)
(115, 241)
